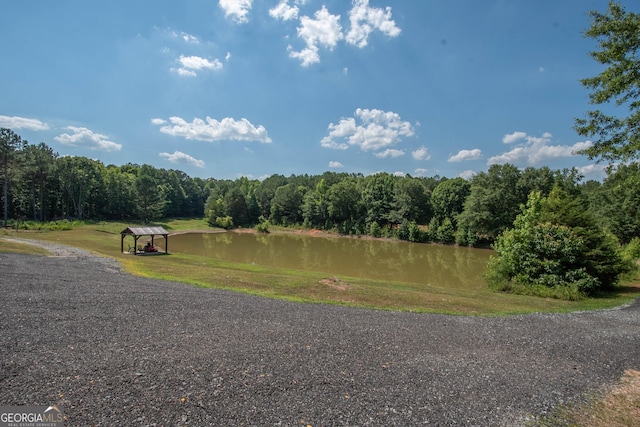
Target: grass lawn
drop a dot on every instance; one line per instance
(104, 239)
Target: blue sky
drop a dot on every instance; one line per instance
(230, 88)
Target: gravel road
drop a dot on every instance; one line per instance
(118, 350)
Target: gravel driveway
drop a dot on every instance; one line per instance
(118, 350)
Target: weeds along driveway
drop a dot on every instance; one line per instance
(113, 349)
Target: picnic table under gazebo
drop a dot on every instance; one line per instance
(150, 248)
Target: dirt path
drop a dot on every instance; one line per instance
(113, 349)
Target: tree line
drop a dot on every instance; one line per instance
(40, 185)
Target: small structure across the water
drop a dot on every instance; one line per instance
(149, 248)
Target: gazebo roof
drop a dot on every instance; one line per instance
(144, 231)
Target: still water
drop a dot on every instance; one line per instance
(433, 265)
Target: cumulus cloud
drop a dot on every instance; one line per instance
(533, 150)
(15, 122)
(365, 19)
(513, 137)
(284, 11)
(325, 29)
(322, 30)
(420, 172)
(593, 171)
(81, 136)
(421, 154)
(399, 174)
(370, 130)
(335, 165)
(468, 174)
(389, 152)
(211, 130)
(179, 157)
(192, 64)
(236, 9)
(464, 155)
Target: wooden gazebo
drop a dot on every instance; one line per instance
(138, 232)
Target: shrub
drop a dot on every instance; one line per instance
(263, 226)
(554, 250)
(225, 222)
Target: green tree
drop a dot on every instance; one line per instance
(378, 196)
(410, 202)
(617, 201)
(555, 249)
(120, 194)
(235, 205)
(617, 136)
(344, 204)
(10, 143)
(150, 200)
(493, 203)
(447, 199)
(286, 205)
(314, 208)
(266, 191)
(81, 179)
(214, 209)
(38, 166)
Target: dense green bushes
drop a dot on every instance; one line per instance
(556, 249)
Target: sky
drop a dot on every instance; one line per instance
(229, 88)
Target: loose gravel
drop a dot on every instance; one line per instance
(116, 350)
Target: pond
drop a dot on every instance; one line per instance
(432, 265)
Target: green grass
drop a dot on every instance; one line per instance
(104, 239)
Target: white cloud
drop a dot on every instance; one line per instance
(81, 136)
(227, 129)
(399, 174)
(307, 56)
(22, 123)
(464, 155)
(181, 35)
(227, 56)
(468, 174)
(421, 172)
(284, 12)
(158, 121)
(378, 131)
(534, 150)
(236, 9)
(389, 152)
(421, 153)
(594, 171)
(325, 30)
(192, 64)
(335, 165)
(186, 37)
(365, 19)
(513, 137)
(181, 158)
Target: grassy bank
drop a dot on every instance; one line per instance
(104, 239)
